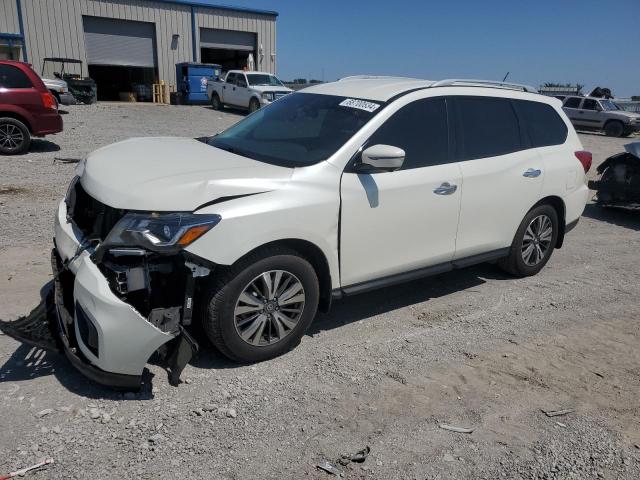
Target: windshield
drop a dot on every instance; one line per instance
(298, 130)
(263, 79)
(609, 105)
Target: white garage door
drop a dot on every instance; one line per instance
(227, 39)
(119, 42)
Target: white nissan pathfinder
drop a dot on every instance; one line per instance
(335, 190)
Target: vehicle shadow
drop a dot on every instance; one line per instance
(39, 145)
(621, 217)
(367, 305)
(235, 111)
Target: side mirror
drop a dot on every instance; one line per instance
(384, 158)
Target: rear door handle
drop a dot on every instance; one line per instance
(532, 173)
(445, 189)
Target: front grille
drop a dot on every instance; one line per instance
(88, 331)
(278, 95)
(93, 218)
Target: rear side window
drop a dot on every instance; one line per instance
(541, 122)
(13, 77)
(486, 127)
(420, 129)
(231, 78)
(573, 102)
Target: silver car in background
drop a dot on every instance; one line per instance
(601, 115)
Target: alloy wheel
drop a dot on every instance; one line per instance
(11, 136)
(269, 308)
(537, 240)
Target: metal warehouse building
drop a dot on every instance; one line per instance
(129, 42)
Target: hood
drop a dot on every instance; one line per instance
(269, 88)
(54, 83)
(173, 174)
(625, 114)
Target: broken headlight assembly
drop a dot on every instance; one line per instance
(160, 232)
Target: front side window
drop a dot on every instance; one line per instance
(609, 105)
(241, 82)
(486, 127)
(298, 130)
(420, 129)
(573, 102)
(542, 123)
(590, 104)
(13, 77)
(262, 79)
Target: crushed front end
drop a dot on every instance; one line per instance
(619, 183)
(120, 297)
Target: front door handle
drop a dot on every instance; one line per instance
(445, 189)
(532, 173)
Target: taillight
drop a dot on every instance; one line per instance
(585, 159)
(48, 101)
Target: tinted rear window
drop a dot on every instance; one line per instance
(573, 102)
(542, 123)
(487, 127)
(13, 77)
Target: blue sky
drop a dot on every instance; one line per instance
(593, 42)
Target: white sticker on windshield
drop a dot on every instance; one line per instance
(360, 104)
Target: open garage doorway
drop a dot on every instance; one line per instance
(228, 48)
(121, 55)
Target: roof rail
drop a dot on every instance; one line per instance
(462, 82)
(365, 77)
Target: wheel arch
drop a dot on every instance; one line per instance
(558, 204)
(17, 116)
(315, 256)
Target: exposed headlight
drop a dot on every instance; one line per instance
(160, 231)
(268, 96)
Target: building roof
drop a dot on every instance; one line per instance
(371, 88)
(211, 4)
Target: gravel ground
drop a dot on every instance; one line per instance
(471, 348)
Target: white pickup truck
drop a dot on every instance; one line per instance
(250, 90)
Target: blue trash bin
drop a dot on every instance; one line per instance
(192, 81)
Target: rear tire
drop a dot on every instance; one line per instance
(248, 322)
(533, 243)
(614, 128)
(14, 136)
(216, 104)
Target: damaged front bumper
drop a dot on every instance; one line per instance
(103, 335)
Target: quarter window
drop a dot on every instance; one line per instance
(486, 127)
(420, 129)
(573, 102)
(13, 77)
(541, 122)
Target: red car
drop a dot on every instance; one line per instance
(27, 108)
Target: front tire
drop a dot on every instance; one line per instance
(14, 136)
(533, 243)
(614, 128)
(216, 104)
(254, 105)
(261, 307)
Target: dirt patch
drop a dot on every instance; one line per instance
(13, 191)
